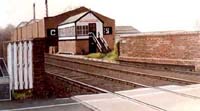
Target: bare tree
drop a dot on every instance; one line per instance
(6, 33)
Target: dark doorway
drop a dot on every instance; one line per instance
(92, 44)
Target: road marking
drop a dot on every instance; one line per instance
(62, 99)
(40, 107)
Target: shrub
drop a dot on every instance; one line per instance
(96, 55)
(111, 56)
(21, 95)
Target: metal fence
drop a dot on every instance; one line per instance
(1, 49)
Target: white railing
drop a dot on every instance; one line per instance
(96, 40)
(19, 60)
(104, 42)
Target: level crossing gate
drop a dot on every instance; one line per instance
(19, 62)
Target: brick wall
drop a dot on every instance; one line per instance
(162, 48)
(110, 40)
(61, 88)
(67, 46)
(82, 46)
(39, 84)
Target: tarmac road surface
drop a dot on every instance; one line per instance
(65, 104)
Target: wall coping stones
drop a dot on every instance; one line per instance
(183, 62)
(164, 33)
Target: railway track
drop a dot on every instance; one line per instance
(100, 90)
(79, 84)
(114, 85)
(94, 76)
(104, 82)
(109, 69)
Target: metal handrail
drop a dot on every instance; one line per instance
(95, 39)
(105, 43)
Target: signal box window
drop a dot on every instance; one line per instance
(82, 30)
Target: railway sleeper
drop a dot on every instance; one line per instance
(103, 76)
(144, 75)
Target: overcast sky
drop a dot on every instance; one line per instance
(145, 15)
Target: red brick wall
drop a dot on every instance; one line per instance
(82, 46)
(177, 48)
(61, 88)
(39, 75)
(110, 40)
(67, 46)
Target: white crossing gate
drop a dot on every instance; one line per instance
(19, 60)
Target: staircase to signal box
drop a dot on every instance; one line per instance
(101, 43)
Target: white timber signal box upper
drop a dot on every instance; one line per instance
(77, 27)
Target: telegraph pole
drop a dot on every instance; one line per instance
(46, 4)
(34, 11)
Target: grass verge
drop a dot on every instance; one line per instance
(111, 56)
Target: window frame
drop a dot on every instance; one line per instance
(66, 32)
(82, 30)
